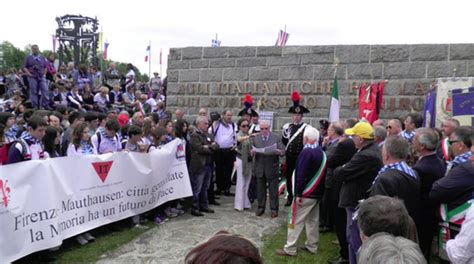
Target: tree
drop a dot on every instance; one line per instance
(13, 57)
(145, 78)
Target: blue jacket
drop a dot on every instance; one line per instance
(455, 188)
(307, 165)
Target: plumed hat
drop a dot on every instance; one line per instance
(248, 103)
(297, 108)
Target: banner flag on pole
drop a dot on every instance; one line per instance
(216, 43)
(335, 105)
(282, 38)
(54, 42)
(148, 52)
(161, 54)
(429, 111)
(99, 43)
(106, 45)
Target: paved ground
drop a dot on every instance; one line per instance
(170, 242)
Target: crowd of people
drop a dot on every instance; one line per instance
(379, 186)
(425, 170)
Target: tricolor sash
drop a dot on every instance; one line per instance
(445, 148)
(310, 186)
(455, 216)
(282, 186)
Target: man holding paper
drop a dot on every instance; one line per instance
(267, 148)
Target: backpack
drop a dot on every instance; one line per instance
(5, 148)
(214, 130)
(99, 138)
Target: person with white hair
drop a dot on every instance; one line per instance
(308, 189)
(385, 248)
(266, 164)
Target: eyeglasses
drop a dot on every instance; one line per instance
(244, 126)
(452, 141)
(388, 127)
(264, 128)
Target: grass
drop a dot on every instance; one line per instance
(326, 249)
(108, 238)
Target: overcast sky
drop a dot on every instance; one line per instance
(129, 25)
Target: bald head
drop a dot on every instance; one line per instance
(179, 114)
(394, 127)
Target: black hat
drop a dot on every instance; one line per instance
(297, 108)
(323, 123)
(248, 102)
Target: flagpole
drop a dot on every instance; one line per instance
(101, 60)
(334, 99)
(149, 59)
(54, 42)
(161, 63)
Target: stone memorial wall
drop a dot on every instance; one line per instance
(218, 78)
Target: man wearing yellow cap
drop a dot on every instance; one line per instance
(357, 176)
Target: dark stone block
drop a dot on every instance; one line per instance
(189, 76)
(389, 53)
(365, 71)
(283, 61)
(264, 74)
(211, 52)
(461, 52)
(178, 65)
(175, 54)
(268, 51)
(251, 62)
(238, 52)
(446, 69)
(211, 75)
(296, 73)
(238, 74)
(407, 70)
(222, 63)
(352, 54)
(199, 64)
(429, 52)
(192, 53)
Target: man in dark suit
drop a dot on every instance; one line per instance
(335, 132)
(430, 168)
(339, 151)
(202, 148)
(357, 176)
(396, 178)
(457, 187)
(267, 168)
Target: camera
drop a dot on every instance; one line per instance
(215, 116)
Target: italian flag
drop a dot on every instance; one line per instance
(335, 105)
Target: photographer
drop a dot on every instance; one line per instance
(224, 132)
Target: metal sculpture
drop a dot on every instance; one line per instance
(78, 39)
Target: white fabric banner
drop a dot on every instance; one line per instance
(44, 202)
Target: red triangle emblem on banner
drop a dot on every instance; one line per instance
(102, 169)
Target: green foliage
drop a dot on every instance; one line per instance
(13, 57)
(122, 68)
(45, 53)
(145, 78)
(326, 250)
